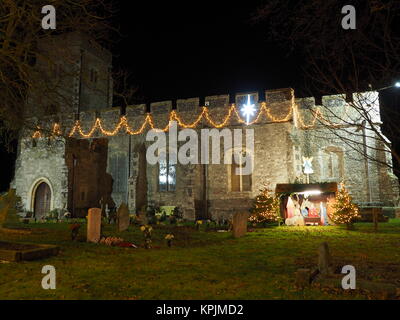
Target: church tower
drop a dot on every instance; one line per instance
(74, 75)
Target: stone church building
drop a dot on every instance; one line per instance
(77, 170)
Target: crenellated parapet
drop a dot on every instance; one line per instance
(338, 110)
(273, 106)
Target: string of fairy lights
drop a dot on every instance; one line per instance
(148, 121)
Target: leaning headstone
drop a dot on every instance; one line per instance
(239, 224)
(303, 278)
(94, 225)
(8, 211)
(324, 259)
(123, 217)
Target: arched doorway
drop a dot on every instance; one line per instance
(42, 200)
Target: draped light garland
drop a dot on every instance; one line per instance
(174, 116)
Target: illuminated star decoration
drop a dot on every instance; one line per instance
(248, 109)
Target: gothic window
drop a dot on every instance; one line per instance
(119, 172)
(166, 173)
(240, 181)
(332, 163)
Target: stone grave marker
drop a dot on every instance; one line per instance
(303, 278)
(239, 224)
(8, 212)
(94, 225)
(324, 259)
(123, 217)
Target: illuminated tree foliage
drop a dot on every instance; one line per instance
(266, 207)
(344, 210)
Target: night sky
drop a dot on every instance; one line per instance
(190, 49)
(183, 50)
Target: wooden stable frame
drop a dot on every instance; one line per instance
(328, 193)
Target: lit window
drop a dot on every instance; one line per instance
(166, 173)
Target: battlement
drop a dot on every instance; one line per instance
(273, 98)
(278, 101)
(273, 106)
(336, 108)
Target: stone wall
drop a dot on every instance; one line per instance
(338, 152)
(41, 161)
(77, 73)
(88, 181)
(282, 139)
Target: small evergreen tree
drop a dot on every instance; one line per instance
(344, 210)
(266, 208)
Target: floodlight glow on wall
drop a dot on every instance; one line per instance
(310, 193)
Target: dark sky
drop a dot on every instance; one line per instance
(189, 49)
(182, 50)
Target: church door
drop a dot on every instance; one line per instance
(42, 200)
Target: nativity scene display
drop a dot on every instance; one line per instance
(307, 204)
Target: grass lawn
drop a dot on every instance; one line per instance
(200, 265)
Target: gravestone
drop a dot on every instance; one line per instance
(94, 225)
(123, 217)
(239, 224)
(8, 211)
(303, 278)
(324, 259)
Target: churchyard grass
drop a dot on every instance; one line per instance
(200, 264)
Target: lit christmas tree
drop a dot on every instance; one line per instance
(344, 210)
(266, 208)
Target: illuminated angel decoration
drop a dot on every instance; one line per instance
(307, 165)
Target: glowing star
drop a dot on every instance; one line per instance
(248, 109)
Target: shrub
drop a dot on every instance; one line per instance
(74, 230)
(147, 230)
(169, 237)
(28, 214)
(177, 213)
